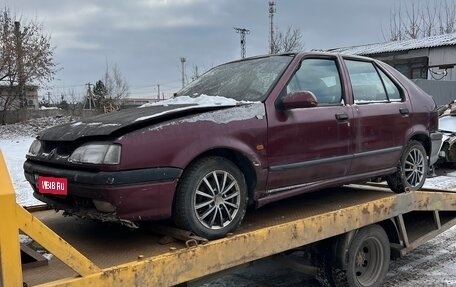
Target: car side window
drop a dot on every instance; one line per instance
(393, 93)
(366, 83)
(321, 77)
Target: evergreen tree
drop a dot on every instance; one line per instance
(99, 90)
(100, 93)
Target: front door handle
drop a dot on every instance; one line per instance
(404, 111)
(341, 117)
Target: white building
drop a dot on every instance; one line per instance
(430, 62)
(8, 93)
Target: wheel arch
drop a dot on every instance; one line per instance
(391, 230)
(425, 140)
(240, 160)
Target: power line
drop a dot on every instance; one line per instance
(242, 32)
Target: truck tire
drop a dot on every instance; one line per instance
(367, 259)
(211, 198)
(412, 169)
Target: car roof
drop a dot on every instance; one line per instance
(305, 54)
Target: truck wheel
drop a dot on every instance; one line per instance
(367, 259)
(211, 198)
(412, 169)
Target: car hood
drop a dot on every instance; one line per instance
(120, 122)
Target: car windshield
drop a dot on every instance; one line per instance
(247, 80)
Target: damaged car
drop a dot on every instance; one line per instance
(247, 132)
(447, 126)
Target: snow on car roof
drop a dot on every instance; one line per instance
(395, 46)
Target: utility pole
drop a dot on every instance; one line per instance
(242, 32)
(272, 10)
(158, 94)
(183, 71)
(89, 98)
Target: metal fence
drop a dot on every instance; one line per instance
(443, 92)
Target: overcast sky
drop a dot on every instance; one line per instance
(146, 39)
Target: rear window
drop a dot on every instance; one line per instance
(371, 85)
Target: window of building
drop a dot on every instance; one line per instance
(414, 68)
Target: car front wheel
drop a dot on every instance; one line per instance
(412, 169)
(211, 198)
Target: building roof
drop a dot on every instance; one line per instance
(396, 46)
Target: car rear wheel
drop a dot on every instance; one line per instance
(211, 198)
(412, 169)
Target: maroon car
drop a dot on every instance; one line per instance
(247, 132)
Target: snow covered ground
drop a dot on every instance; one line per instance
(15, 141)
(433, 264)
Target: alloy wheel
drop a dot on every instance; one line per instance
(217, 199)
(414, 167)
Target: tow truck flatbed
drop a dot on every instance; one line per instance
(353, 227)
(270, 230)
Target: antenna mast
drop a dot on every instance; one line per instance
(272, 10)
(242, 32)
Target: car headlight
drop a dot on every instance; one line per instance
(97, 153)
(34, 148)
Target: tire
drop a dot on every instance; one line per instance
(412, 169)
(367, 260)
(211, 198)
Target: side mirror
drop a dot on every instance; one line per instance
(298, 100)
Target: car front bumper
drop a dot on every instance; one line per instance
(133, 195)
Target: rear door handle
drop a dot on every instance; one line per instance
(404, 111)
(341, 117)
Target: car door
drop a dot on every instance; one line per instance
(307, 145)
(381, 117)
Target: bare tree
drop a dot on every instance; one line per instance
(116, 88)
(26, 57)
(412, 26)
(428, 20)
(290, 41)
(116, 84)
(195, 74)
(74, 101)
(447, 18)
(396, 33)
(434, 18)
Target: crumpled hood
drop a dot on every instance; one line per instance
(447, 123)
(128, 119)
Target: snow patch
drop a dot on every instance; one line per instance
(238, 113)
(447, 182)
(163, 113)
(202, 100)
(24, 239)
